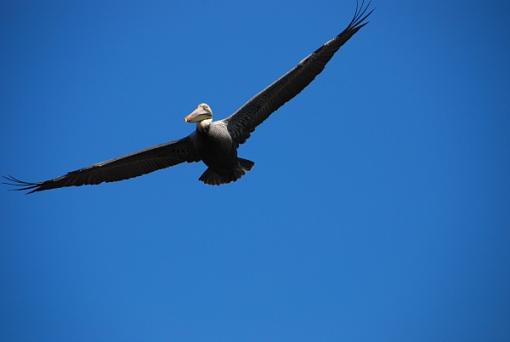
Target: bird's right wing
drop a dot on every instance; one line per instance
(132, 165)
(258, 108)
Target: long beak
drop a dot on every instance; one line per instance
(195, 115)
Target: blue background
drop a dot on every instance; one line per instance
(378, 208)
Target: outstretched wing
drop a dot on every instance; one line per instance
(257, 109)
(133, 165)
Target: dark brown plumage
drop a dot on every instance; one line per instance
(213, 142)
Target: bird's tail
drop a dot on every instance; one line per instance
(213, 177)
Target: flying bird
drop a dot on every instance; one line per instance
(213, 142)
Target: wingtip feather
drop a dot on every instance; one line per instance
(361, 13)
(21, 185)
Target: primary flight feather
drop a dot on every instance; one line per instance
(213, 142)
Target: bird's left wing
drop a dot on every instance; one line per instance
(257, 109)
(132, 165)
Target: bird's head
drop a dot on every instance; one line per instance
(201, 113)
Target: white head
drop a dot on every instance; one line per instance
(201, 113)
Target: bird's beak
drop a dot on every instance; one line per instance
(198, 114)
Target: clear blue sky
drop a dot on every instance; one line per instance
(378, 208)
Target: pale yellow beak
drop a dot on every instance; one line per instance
(197, 115)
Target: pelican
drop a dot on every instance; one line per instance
(213, 142)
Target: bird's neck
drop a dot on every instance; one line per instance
(203, 125)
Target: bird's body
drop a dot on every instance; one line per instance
(213, 142)
(218, 151)
(215, 146)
